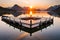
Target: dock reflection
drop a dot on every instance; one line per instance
(19, 25)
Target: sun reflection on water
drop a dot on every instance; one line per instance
(22, 36)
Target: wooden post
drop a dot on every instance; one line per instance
(50, 19)
(14, 21)
(20, 30)
(30, 23)
(46, 20)
(30, 34)
(40, 23)
(41, 30)
(20, 22)
(9, 19)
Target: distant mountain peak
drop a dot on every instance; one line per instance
(16, 7)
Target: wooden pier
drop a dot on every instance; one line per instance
(18, 24)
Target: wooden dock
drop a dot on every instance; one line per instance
(18, 24)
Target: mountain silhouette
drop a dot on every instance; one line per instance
(17, 8)
(54, 8)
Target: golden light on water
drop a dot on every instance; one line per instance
(30, 12)
(22, 36)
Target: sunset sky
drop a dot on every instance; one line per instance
(43, 4)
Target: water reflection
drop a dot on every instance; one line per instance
(32, 27)
(55, 14)
(21, 36)
(20, 25)
(51, 32)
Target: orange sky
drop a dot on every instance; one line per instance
(42, 4)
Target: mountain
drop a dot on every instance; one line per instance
(17, 8)
(13, 10)
(54, 8)
(57, 9)
(5, 9)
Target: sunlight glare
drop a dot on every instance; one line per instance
(30, 6)
(30, 12)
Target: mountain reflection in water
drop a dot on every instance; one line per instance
(47, 33)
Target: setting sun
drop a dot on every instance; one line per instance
(30, 6)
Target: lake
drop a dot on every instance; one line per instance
(52, 32)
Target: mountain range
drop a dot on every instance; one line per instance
(17, 10)
(55, 8)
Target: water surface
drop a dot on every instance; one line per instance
(52, 32)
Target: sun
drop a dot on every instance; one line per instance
(31, 7)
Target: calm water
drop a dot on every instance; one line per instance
(52, 32)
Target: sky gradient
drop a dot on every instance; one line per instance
(35, 3)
